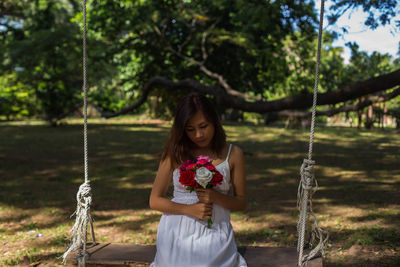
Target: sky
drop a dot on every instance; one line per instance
(384, 39)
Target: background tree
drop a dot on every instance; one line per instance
(44, 45)
(252, 56)
(17, 100)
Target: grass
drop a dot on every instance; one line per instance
(41, 169)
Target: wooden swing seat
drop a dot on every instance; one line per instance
(114, 254)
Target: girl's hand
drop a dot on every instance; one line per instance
(205, 195)
(202, 211)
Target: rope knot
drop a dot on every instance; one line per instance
(84, 195)
(307, 174)
(79, 230)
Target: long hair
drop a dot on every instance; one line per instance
(178, 145)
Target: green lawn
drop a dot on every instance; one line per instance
(41, 169)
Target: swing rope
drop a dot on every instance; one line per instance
(84, 196)
(306, 189)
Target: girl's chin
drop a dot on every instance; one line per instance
(203, 144)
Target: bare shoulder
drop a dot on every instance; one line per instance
(236, 151)
(238, 171)
(237, 155)
(166, 165)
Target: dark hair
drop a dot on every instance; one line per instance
(178, 145)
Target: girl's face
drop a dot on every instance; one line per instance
(199, 130)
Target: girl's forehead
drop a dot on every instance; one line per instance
(196, 119)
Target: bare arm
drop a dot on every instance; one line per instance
(159, 202)
(238, 201)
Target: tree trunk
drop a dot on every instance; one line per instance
(368, 120)
(384, 116)
(359, 121)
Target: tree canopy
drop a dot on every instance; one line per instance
(248, 55)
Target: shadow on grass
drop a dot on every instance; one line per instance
(391, 219)
(366, 235)
(43, 166)
(131, 225)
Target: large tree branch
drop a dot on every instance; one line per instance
(360, 105)
(303, 101)
(204, 40)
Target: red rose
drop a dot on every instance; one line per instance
(187, 178)
(184, 165)
(217, 179)
(191, 166)
(210, 167)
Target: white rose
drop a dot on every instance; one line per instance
(203, 176)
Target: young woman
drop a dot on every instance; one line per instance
(183, 238)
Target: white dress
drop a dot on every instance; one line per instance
(184, 241)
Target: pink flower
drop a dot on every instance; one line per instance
(203, 157)
(203, 160)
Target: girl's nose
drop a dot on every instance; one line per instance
(199, 133)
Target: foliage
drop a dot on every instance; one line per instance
(380, 12)
(45, 47)
(363, 66)
(240, 40)
(16, 98)
(301, 60)
(261, 48)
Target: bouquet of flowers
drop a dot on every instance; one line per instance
(199, 173)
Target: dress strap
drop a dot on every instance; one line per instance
(229, 152)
